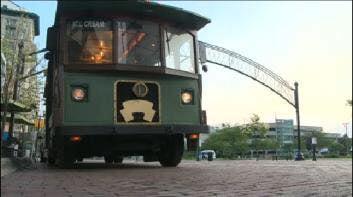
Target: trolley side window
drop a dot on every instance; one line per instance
(138, 42)
(179, 50)
(89, 41)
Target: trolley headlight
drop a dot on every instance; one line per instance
(78, 94)
(187, 97)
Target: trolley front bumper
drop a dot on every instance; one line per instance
(131, 129)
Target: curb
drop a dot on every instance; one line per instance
(22, 163)
(11, 165)
(7, 166)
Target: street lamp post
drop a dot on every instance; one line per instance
(298, 156)
(346, 142)
(313, 143)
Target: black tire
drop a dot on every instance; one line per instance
(108, 159)
(118, 160)
(43, 159)
(65, 157)
(172, 151)
(51, 158)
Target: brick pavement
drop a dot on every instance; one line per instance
(190, 178)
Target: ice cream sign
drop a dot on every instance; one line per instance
(88, 24)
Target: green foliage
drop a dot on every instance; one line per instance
(270, 144)
(229, 142)
(336, 148)
(331, 155)
(255, 128)
(257, 132)
(322, 141)
(346, 142)
(189, 155)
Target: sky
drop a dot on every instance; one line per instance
(307, 42)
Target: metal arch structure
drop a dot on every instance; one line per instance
(245, 66)
(259, 73)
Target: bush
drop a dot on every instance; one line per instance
(189, 155)
(331, 155)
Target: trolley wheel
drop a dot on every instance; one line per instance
(108, 159)
(118, 160)
(172, 151)
(65, 158)
(51, 158)
(43, 159)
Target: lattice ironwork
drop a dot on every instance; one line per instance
(245, 66)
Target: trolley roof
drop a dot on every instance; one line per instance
(178, 16)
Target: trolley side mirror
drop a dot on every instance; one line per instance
(202, 54)
(204, 68)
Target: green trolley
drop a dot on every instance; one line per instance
(123, 80)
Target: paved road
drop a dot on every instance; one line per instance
(190, 178)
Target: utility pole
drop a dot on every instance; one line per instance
(346, 141)
(313, 144)
(19, 67)
(298, 156)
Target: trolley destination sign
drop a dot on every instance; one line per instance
(88, 24)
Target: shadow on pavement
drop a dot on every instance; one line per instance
(101, 165)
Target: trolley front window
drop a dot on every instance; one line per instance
(89, 41)
(138, 43)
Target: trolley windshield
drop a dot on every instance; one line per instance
(129, 42)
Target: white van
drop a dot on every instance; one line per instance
(204, 154)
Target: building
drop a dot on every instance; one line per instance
(3, 69)
(18, 30)
(310, 130)
(285, 132)
(282, 131)
(334, 136)
(20, 26)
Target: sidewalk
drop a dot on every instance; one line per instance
(7, 166)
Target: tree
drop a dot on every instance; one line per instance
(288, 148)
(336, 148)
(228, 142)
(270, 144)
(257, 132)
(347, 143)
(14, 47)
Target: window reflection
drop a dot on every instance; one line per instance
(138, 43)
(179, 50)
(89, 42)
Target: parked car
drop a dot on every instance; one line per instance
(298, 154)
(204, 154)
